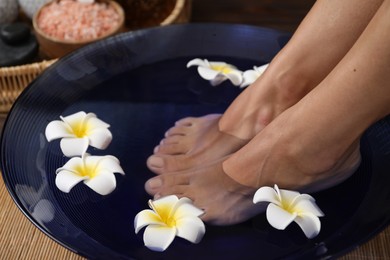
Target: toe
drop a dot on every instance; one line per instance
(153, 186)
(188, 121)
(155, 164)
(165, 163)
(169, 184)
(172, 139)
(171, 149)
(176, 130)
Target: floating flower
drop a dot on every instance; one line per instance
(288, 206)
(249, 76)
(169, 217)
(78, 131)
(97, 172)
(217, 72)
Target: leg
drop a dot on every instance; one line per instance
(297, 69)
(297, 150)
(326, 34)
(299, 145)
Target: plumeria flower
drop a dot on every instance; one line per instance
(97, 172)
(217, 72)
(169, 217)
(250, 76)
(78, 131)
(288, 206)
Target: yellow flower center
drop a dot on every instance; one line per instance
(286, 206)
(221, 68)
(293, 210)
(87, 170)
(164, 213)
(80, 130)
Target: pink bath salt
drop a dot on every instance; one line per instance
(76, 21)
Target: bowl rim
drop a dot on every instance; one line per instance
(113, 31)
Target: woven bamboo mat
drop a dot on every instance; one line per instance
(20, 239)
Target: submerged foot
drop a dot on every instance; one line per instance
(296, 151)
(224, 201)
(191, 143)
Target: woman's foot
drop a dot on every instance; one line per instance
(192, 142)
(224, 201)
(225, 188)
(298, 152)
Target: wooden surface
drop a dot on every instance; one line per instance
(19, 239)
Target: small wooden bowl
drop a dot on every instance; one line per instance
(55, 48)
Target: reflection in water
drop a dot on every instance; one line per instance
(34, 199)
(76, 69)
(43, 211)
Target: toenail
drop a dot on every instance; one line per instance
(157, 196)
(155, 150)
(156, 161)
(154, 183)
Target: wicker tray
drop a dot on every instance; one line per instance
(13, 80)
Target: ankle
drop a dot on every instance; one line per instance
(290, 85)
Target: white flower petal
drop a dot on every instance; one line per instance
(278, 217)
(208, 73)
(74, 146)
(261, 69)
(95, 122)
(198, 62)
(185, 208)
(221, 65)
(162, 203)
(309, 223)
(158, 238)
(66, 180)
(104, 183)
(249, 77)
(72, 165)
(146, 217)
(308, 206)
(191, 229)
(91, 159)
(74, 119)
(100, 138)
(57, 129)
(235, 77)
(110, 163)
(301, 197)
(266, 194)
(218, 80)
(288, 196)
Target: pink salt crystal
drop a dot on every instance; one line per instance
(77, 21)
